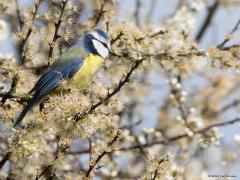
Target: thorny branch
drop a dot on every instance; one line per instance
(8, 94)
(151, 11)
(56, 35)
(228, 106)
(160, 32)
(22, 99)
(159, 163)
(99, 14)
(167, 140)
(137, 12)
(211, 12)
(228, 38)
(91, 167)
(180, 105)
(22, 50)
(20, 21)
(227, 48)
(4, 159)
(122, 82)
(79, 116)
(185, 135)
(120, 34)
(61, 149)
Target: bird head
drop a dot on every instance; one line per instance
(97, 42)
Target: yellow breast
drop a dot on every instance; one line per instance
(84, 75)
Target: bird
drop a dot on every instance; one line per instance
(76, 65)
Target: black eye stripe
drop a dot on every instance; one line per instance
(103, 43)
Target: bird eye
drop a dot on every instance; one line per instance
(105, 45)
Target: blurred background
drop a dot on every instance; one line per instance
(208, 89)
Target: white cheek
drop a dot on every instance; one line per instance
(95, 35)
(103, 51)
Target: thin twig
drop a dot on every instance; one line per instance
(159, 163)
(122, 82)
(79, 116)
(8, 94)
(228, 106)
(91, 167)
(137, 12)
(130, 126)
(20, 21)
(61, 149)
(185, 135)
(227, 39)
(4, 159)
(160, 32)
(151, 11)
(97, 16)
(29, 32)
(167, 140)
(56, 35)
(211, 12)
(227, 48)
(120, 34)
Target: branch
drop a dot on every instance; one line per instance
(61, 149)
(4, 159)
(120, 34)
(177, 137)
(159, 163)
(160, 32)
(82, 115)
(180, 105)
(130, 126)
(228, 106)
(137, 12)
(56, 36)
(99, 14)
(211, 12)
(167, 140)
(20, 21)
(91, 167)
(228, 38)
(151, 11)
(123, 81)
(8, 94)
(29, 32)
(230, 47)
(126, 78)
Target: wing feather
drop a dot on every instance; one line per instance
(48, 82)
(42, 78)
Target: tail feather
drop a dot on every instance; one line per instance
(22, 114)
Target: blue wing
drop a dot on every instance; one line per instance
(48, 82)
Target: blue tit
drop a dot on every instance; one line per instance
(77, 65)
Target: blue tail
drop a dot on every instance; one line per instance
(20, 117)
